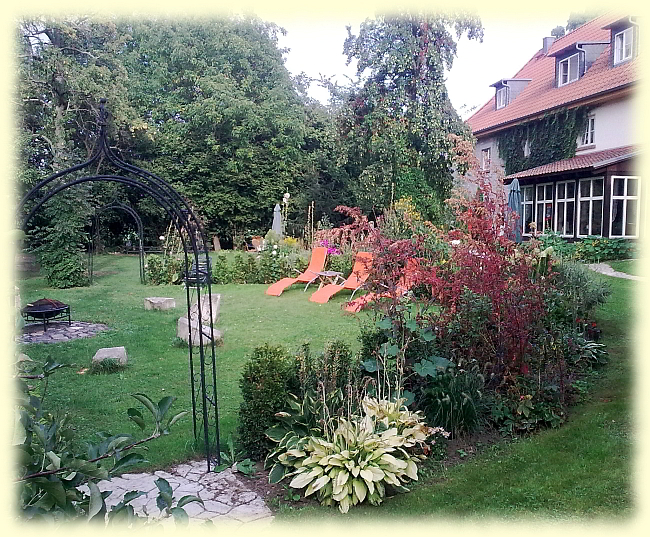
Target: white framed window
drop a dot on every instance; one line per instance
(623, 42)
(485, 159)
(590, 207)
(568, 70)
(544, 207)
(624, 207)
(502, 97)
(527, 208)
(589, 136)
(565, 206)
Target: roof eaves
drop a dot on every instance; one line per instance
(541, 113)
(614, 160)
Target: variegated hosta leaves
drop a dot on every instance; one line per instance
(393, 414)
(353, 467)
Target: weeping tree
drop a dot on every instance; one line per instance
(65, 67)
(394, 124)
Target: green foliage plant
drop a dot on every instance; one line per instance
(164, 269)
(594, 249)
(268, 375)
(358, 461)
(50, 470)
(551, 138)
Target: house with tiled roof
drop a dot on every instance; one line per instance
(564, 127)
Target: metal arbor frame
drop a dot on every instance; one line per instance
(203, 382)
(115, 204)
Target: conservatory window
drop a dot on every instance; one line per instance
(527, 208)
(565, 202)
(544, 207)
(624, 208)
(590, 207)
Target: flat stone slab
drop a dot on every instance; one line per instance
(183, 332)
(114, 353)
(238, 504)
(159, 303)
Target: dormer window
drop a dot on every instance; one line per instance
(623, 48)
(502, 97)
(569, 70)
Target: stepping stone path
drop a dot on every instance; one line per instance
(59, 332)
(227, 500)
(159, 303)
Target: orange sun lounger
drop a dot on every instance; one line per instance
(359, 275)
(316, 264)
(407, 280)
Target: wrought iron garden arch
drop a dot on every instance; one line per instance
(94, 235)
(204, 382)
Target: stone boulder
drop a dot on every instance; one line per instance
(183, 332)
(205, 309)
(115, 353)
(159, 303)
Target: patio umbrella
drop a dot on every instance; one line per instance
(277, 220)
(514, 203)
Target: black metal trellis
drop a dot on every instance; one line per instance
(203, 383)
(94, 234)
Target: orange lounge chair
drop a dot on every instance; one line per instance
(360, 273)
(406, 281)
(316, 264)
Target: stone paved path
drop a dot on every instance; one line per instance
(227, 500)
(604, 268)
(58, 332)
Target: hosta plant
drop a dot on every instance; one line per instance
(362, 457)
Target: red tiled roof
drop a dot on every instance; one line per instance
(541, 94)
(590, 160)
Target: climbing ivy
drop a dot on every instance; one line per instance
(551, 138)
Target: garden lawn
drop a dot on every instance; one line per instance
(158, 361)
(579, 471)
(629, 266)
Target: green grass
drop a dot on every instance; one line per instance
(579, 471)
(629, 266)
(158, 365)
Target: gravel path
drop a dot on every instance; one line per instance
(604, 268)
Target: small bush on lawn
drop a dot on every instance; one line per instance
(221, 272)
(269, 374)
(302, 384)
(164, 269)
(107, 365)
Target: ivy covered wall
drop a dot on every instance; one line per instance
(551, 138)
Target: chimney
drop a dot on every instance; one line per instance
(548, 41)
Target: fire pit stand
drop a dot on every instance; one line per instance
(46, 310)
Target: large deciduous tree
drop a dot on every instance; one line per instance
(395, 124)
(227, 124)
